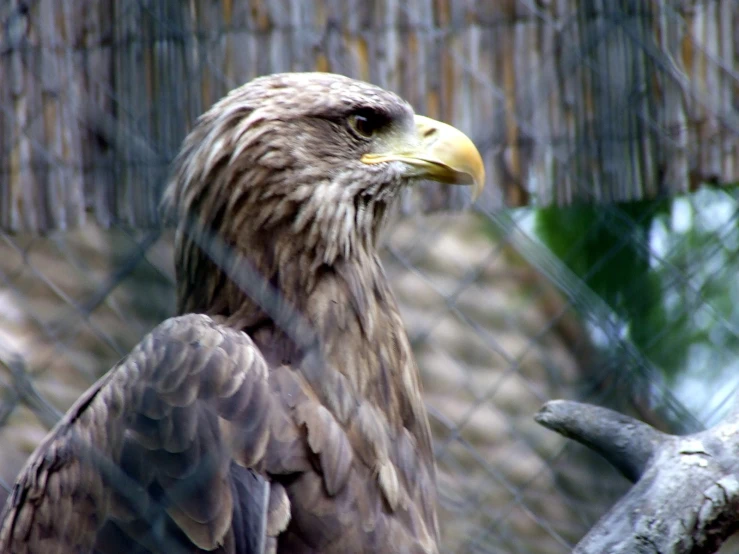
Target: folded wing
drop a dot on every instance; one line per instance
(162, 454)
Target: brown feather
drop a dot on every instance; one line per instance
(305, 380)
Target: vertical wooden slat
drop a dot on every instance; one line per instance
(97, 100)
(673, 118)
(728, 88)
(573, 100)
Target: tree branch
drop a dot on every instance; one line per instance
(686, 493)
(626, 443)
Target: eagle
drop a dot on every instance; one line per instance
(281, 409)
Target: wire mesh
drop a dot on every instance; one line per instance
(501, 315)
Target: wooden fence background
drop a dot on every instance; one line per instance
(570, 100)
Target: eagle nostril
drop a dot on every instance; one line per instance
(428, 133)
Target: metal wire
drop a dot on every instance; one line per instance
(498, 322)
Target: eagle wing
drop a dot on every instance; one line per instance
(159, 455)
(193, 444)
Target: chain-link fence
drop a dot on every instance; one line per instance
(627, 298)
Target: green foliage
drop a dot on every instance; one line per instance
(674, 288)
(698, 271)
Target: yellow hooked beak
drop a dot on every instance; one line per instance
(438, 152)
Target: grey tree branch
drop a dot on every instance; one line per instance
(686, 492)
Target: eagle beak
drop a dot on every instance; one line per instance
(438, 152)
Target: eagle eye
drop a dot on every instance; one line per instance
(366, 123)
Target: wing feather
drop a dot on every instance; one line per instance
(191, 443)
(145, 458)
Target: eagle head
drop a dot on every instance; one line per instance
(306, 166)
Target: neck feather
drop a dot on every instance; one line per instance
(347, 304)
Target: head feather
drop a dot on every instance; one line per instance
(273, 171)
